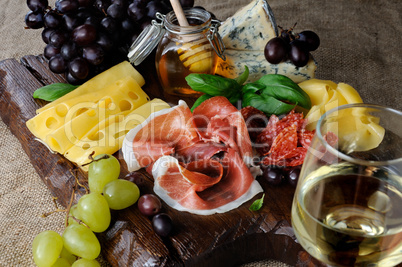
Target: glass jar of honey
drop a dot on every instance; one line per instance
(181, 50)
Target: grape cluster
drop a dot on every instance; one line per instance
(293, 46)
(89, 216)
(86, 37)
(275, 175)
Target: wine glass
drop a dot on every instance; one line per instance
(347, 208)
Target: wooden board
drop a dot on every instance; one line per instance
(236, 237)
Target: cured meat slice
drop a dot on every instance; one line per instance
(235, 187)
(196, 160)
(167, 130)
(218, 120)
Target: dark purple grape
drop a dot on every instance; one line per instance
(273, 175)
(94, 54)
(153, 8)
(104, 41)
(136, 177)
(79, 68)
(69, 51)
(46, 34)
(50, 51)
(120, 2)
(293, 175)
(162, 224)
(84, 13)
(286, 36)
(149, 204)
(136, 12)
(128, 26)
(70, 22)
(67, 6)
(52, 19)
(85, 3)
(109, 25)
(34, 19)
(116, 11)
(93, 20)
(36, 5)
(187, 3)
(102, 5)
(276, 50)
(57, 64)
(71, 79)
(58, 38)
(298, 54)
(84, 34)
(311, 39)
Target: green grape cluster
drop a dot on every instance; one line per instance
(78, 246)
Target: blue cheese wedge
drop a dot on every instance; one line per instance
(245, 36)
(249, 28)
(258, 66)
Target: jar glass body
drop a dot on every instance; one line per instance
(184, 50)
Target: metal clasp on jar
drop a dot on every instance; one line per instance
(215, 39)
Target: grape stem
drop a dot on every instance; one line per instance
(92, 159)
(54, 211)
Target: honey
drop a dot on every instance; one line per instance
(173, 64)
(181, 50)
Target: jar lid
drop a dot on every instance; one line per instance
(146, 41)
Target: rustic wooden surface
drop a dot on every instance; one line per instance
(228, 239)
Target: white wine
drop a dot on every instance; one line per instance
(346, 219)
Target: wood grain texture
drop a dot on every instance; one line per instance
(229, 239)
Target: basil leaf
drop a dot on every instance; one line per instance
(53, 91)
(283, 88)
(199, 101)
(211, 84)
(252, 88)
(267, 104)
(257, 204)
(243, 77)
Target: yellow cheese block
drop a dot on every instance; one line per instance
(357, 131)
(108, 135)
(54, 117)
(121, 97)
(100, 81)
(125, 96)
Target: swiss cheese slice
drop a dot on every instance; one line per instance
(100, 81)
(107, 137)
(121, 97)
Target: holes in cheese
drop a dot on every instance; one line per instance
(98, 83)
(61, 132)
(61, 110)
(108, 135)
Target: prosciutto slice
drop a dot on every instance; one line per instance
(197, 160)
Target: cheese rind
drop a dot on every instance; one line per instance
(258, 66)
(99, 82)
(249, 28)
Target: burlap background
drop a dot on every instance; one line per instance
(360, 45)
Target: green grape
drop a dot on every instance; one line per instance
(46, 248)
(94, 212)
(85, 263)
(74, 213)
(61, 262)
(102, 171)
(81, 241)
(65, 254)
(121, 194)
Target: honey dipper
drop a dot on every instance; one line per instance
(195, 54)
